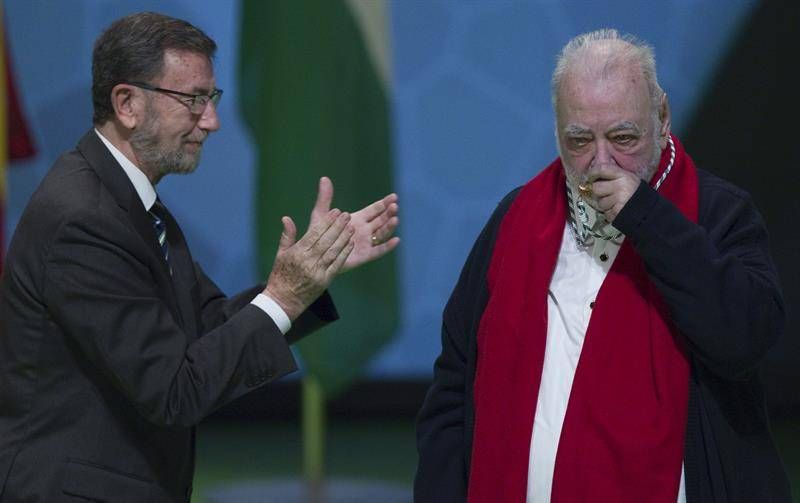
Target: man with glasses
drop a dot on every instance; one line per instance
(114, 343)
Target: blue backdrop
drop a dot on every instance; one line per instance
(472, 120)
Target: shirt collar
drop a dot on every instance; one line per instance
(145, 189)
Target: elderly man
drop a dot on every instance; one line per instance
(604, 337)
(114, 342)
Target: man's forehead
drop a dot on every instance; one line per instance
(187, 68)
(613, 103)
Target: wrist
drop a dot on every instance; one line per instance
(290, 305)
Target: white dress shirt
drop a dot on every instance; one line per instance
(147, 193)
(577, 278)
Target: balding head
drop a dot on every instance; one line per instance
(602, 54)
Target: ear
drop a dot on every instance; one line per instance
(127, 103)
(666, 121)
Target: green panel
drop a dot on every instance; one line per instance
(315, 106)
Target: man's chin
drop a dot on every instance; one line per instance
(184, 167)
(187, 168)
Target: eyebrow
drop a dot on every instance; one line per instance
(627, 126)
(575, 130)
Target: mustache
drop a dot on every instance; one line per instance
(196, 139)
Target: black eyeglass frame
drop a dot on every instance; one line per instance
(196, 106)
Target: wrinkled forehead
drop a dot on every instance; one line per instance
(604, 64)
(616, 95)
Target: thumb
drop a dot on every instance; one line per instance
(288, 235)
(324, 196)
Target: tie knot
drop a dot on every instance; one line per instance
(158, 210)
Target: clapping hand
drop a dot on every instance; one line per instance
(373, 225)
(303, 269)
(336, 241)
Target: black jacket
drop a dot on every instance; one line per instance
(107, 361)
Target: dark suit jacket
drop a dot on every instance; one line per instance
(106, 360)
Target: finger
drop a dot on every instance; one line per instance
(318, 228)
(385, 231)
(331, 234)
(324, 196)
(391, 203)
(602, 188)
(592, 201)
(374, 210)
(377, 227)
(606, 172)
(380, 207)
(605, 203)
(338, 263)
(384, 248)
(288, 235)
(392, 209)
(378, 222)
(333, 252)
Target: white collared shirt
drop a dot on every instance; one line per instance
(577, 279)
(147, 193)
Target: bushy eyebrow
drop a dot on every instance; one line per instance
(575, 130)
(627, 126)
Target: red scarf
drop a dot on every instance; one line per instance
(622, 438)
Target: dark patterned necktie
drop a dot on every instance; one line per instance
(158, 213)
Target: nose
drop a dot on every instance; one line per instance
(209, 120)
(603, 155)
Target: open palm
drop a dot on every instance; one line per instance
(374, 225)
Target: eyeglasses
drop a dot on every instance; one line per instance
(196, 102)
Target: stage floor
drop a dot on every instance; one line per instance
(359, 452)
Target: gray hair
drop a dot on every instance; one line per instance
(607, 50)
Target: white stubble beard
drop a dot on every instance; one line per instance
(153, 156)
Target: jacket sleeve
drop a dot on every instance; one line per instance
(717, 277)
(444, 423)
(216, 308)
(102, 295)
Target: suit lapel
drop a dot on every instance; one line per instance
(183, 276)
(121, 189)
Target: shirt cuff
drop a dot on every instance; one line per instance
(274, 311)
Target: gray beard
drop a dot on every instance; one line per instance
(155, 159)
